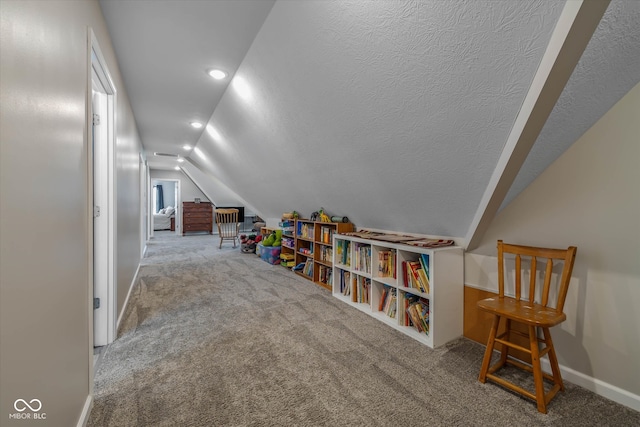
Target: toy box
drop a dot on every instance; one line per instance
(270, 254)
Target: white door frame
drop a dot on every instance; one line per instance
(144, 213)
(178, 195)
(103, 324)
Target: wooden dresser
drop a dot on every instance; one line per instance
(197, 217)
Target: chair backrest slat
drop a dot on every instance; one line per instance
(569, 259)
(547, 282)
(500, 270)
(518, 276)
(532, 278)
(566, 256)
(227, 220)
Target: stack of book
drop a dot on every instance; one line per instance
(415, 274)
(343, 252)
(387, 263)
(308, 268)
(305, 230)
(326, 233)
(417, 310)
(326, 253)
(364, 288)
(388, 301)
(325, 275)
(345, 283)
(363, 258)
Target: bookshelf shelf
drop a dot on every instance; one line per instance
(317, 238)
(392, 296)
(288, 248)
(327, 263)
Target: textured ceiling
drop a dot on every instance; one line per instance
(393, 113)
(608, 69)
(164, 50)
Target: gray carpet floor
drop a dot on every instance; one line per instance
(215, 337)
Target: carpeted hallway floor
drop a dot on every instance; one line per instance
(214, 337)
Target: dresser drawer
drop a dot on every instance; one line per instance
(197, 227)
(197, 217)
(197, 214)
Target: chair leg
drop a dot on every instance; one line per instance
(220, 247)
(553, 360)
(505, 348)
(537, 369)
(489, 351)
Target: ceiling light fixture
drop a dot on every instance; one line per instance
(196, 125)
(164, 154)
(180, 160)
(177, 168)
(217, 74)
(186, 147)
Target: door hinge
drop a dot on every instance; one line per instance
(96, 119)
(96, 303)
(96, 211)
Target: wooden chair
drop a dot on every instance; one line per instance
(522, 309)
(228, 225)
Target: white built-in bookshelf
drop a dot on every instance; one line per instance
(370, 276)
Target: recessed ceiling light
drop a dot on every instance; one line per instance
(186, 147)
(177, 168)
(180, 160)
(196, 125)
(217, 74)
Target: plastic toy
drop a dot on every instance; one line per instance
(323, 216)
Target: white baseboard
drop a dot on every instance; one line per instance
(86, 411)
(126, 300)
(597, 386)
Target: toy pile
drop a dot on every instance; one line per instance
(273, 239)
(248, 243)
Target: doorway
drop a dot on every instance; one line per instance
(102, 139)
(171, 188)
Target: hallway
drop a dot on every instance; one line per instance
(214, 337)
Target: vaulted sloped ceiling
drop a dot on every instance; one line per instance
(393, 113)
(608, 69)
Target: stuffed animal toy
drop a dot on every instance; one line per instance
(268, 241)
(274, 239)
(278, 240)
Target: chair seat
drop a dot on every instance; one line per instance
(522, 311)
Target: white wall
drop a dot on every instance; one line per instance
(45, 235)
(589, 198)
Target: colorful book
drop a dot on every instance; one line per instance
(424, 261)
